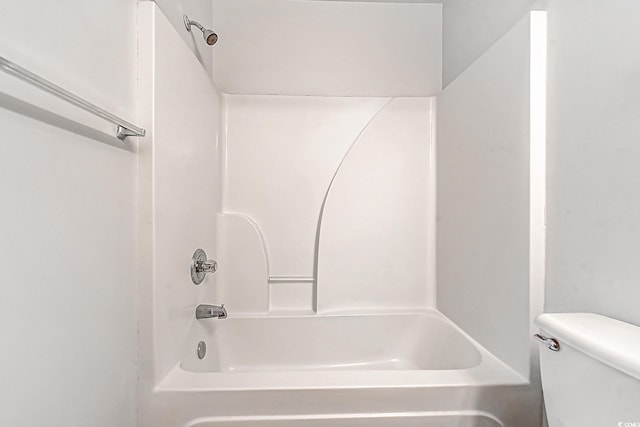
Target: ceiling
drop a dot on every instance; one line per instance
(328, 47)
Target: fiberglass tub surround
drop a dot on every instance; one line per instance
(322, 220)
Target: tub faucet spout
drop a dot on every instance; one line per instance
(208, 311)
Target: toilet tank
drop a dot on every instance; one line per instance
(594, 378)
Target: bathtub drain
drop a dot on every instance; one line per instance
(202, 349)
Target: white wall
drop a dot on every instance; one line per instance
(374, 243)
(278, 171)
(196, 10)
(329, 48)
(179, 192)
(593, 174)
(469, 28)
(483, 199)
(281, 166)
(67, 218)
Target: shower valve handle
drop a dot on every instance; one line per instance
(208, 266)
(200, 266)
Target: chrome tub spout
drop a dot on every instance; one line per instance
(209, 311)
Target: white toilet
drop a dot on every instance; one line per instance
(593, 378)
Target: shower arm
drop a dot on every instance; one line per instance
(189, 23)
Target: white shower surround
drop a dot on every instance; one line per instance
(338, 193)
(300, 392)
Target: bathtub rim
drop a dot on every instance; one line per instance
(346, 416)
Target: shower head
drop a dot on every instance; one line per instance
(209, 36)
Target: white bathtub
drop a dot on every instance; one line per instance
(396, 370)
(341, 351)
(320, 343)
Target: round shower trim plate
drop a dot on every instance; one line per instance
(198, 276)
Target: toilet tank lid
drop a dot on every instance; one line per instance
(608, 340)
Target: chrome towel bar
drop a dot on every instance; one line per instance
(125, 128)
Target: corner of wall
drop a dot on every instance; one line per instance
(470, 29)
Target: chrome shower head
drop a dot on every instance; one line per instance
(209, 36)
